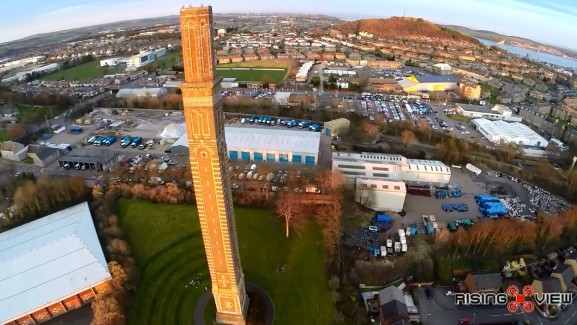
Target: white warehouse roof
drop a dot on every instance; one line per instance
(304, 70)
(140, 92)
(49, 259)
(269, 139)
(514, 132)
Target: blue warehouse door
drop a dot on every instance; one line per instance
(258, 156)
(233, 154)
(310, 160)
(297, 159)
(283, 158)
(270, 157)
(245, 155)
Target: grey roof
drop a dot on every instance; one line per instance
(486, 280)
(434, 79)
(394, 310)
(566, 273)
(44, 152)
(88, 155)
(476, 108)
(391, 293)
(550, 284)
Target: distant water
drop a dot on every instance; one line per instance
(539, 56)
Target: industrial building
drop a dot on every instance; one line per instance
(442, 69)
(141, 92)
(386, 176)
(381, 195)
(260, 144)
(338, 127)
(139, 60)
(228, 83)
(50, 266)
(493, 112)
(88, 158)
(515, 132)
(303, 72)
(428, 83)
(111, 62)
(391, 167)
(22, 75)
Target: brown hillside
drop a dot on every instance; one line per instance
(403, 26)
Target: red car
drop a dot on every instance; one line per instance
(464, 320)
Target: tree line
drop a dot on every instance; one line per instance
(36, 198)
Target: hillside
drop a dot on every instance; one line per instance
(492, 36)
(403, 27)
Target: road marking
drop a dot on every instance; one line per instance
(495, 315)
(575, 312)
(507, 314)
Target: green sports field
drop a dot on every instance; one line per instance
(167, 244)
(86, 71)
(252, 75)
(2, 135)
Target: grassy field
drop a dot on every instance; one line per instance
(170, 59)
(265, 76)
(36, 114)
(444, 268)
(86, 71)
(167, 243)
(2, 135)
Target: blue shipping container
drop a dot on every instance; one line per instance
(310, 160)
(297, 159)
(245, 155)
(233, 154)
(258, 156)
(271, 157)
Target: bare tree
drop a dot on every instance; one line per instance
(366, 196)
(409, 139)
(289, 207)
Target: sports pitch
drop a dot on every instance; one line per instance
(259, 75)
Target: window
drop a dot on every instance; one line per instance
(380, 175)
(398, 188)
(386, 187)
(352, 173)
(384, 169)
(373, 186)
(351, 167)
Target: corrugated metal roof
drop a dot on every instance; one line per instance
(267, 139)
(48, 259)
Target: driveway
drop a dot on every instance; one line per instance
(441, 310)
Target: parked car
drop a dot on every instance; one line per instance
(429, 293)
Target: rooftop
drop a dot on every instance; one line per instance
(90, 155)
(486, 280)
(49, 259)
(269, 139)
(435, 79)
(272, 140)
(477, 108)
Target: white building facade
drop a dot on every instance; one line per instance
(515, 133)
(381, 195)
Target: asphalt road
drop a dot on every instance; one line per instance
(441, 310)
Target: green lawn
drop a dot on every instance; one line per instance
(170, 59)
(2, 135)
(167, 244)
(276, 76)
(459, 118)
(37, 114)
(444, 268)
(86, 71)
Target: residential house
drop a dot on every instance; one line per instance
(393, 308)
(565, 274)
(483, 282)
(42, 155)
(13, 151)
(547, 285)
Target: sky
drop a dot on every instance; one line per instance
(551, 22)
